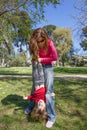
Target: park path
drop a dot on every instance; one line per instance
(82, 76)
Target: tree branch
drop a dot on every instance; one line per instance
(15, 8)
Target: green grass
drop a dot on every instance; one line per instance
(70, 70)
(16, 70)
(70, 103)
(57, 70)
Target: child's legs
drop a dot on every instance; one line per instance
(37, 73)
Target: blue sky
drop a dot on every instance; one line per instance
(62, 17)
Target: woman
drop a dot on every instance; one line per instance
(46, 54)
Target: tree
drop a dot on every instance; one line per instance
(81, 16)
(79, 60)
(32, 6)
(21, 24)
(5, 41)
(84, 39)
(63, 42)
(19, 60)
(4, 55)
(50, 29)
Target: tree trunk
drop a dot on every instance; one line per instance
(63, 61)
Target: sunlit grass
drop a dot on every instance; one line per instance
(70, 70)
(57, 70)
(16, 70)
(70, 103)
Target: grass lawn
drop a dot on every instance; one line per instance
(70, 103)
(16, 70)
(57, 70)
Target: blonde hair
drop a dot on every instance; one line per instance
(37, 114)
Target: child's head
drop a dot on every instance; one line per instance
(41, 105)
(39, 112)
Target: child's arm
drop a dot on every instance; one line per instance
(27, 97)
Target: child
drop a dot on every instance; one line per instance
(38, 95)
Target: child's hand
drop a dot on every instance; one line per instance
(24, 97)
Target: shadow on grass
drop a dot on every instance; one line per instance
(18, 104)
(72, 92)
(15, 100)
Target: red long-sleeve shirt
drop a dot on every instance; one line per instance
(49, 56)
(38, 94)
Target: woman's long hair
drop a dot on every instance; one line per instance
(39, 39)
(34, 49)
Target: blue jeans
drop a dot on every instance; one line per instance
(50, 101)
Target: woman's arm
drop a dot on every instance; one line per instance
(52, 54)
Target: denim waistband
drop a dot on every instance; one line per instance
(47, 65)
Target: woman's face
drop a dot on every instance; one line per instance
(41, 105)
(41, 43)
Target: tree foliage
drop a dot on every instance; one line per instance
(79, 60)
(63, 42)
(50, 29)
(19, 60)
(34, 7)
(81, 16)
(84, 39)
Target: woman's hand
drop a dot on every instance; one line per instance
(39, 59)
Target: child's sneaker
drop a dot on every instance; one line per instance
(27, 111)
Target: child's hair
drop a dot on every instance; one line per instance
(37, 114)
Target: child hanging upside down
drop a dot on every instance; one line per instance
(38, 93)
